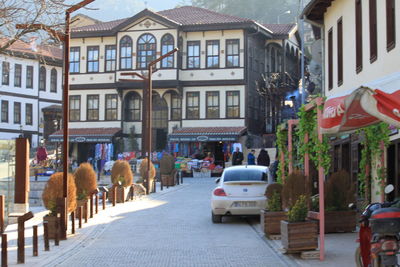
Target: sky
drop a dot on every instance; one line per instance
(117, 9)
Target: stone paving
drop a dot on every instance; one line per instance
(169, 228)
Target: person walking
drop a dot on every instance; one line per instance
(263, 158)
(237, 157)
(251, 159)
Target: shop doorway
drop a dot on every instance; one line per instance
(160, 123)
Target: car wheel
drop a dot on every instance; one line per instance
(216, 218)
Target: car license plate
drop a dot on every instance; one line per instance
(244, 204)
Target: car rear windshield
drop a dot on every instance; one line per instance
(244, 175)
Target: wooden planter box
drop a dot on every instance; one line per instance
(337, 221)
(168, 179)
(122, 193)
(299, 236)
(51, 223)
(270, 221)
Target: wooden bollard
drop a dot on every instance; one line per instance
(57, 234)
(46, 236)
(73, 222)
(4, 253)
(35, 241)
(132, 191)
(103, 198)
(80, 208)
(21, 236)
(2, 213)
(85, 212)
(91, 205)
(114, 200)
(96, 203)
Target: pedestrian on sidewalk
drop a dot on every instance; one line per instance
(237, 157)
(251, 159)
(263, 158)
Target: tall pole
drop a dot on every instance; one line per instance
(303, 90)
(149, 123)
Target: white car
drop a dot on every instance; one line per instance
(240, 191)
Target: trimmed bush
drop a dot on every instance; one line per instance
(295, 185)
(54, 191)
(274, 197)
(339, 191)
(298, 213)
(85, 180)
(121, 172)
(167, 164)
(144, 172)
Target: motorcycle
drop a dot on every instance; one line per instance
(379, 234)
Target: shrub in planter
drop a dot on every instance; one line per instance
(270, 218)
(85, 180)
(339, 193)
(121, 178)
(167, 169)
(296, 223)
(295, 185)
(54, 191)
(145, 174)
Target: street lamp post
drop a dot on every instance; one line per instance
(148, 118)
(286, 12)
(64, 37)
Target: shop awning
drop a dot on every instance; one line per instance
(369, 104)
(86, 135)
(206, 134)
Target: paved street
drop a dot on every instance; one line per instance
(173, 229)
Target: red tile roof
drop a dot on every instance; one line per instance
(89, 132)
(41, 50)
(280, 29)
(102, 26)
(210, 130)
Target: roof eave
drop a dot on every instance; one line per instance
(310, 11)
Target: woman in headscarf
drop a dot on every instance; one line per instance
(263, 158)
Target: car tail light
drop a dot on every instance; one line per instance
(389, 245)
(219, 192)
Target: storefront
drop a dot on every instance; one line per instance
(197, 142)
(89, 144)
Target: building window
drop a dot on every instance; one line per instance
(273, 61)
(232, 104)
(167, 44)
(111, 107)
(125, 53)
(28, 114)
(74, 59)
(29, 76)
(53, 81)
(330, 59)
(390, 24)
(132, 107)
(146, 50)
(4, 111)
(17, 75)
(373, 31)
(111, 57)
(17, 113)
(192, 105)
(340, 51)
(359, 52)
(92, 108)
(42, 79)
(212, 105)
(193, 54)
(74, 108)
(176, 107)
(232, 53)
(212, 54)
(93, 59)
(5, 79)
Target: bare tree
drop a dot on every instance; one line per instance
(30, 12)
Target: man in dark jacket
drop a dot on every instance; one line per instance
(237, 157)
(263, 158)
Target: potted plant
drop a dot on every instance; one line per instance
(339, 193)
(145, 174)
(53, 192)
(270, 218)
(121, 178)
(298, 234)
(167, 170)
(86, 184)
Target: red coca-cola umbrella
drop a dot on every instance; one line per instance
(369, 104)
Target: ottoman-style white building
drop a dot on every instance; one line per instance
(30, 91)
(205, 93)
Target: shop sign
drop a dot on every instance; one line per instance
(80, 139)
(202, 138)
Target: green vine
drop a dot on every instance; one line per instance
(281, 142)
(374, 135)
(318, 151)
